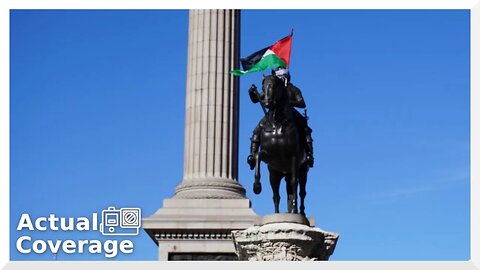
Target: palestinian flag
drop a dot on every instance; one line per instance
(270, 57)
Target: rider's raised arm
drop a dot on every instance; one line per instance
(255, 97)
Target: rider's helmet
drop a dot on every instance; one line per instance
(282, 73)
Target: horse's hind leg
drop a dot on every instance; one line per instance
(275, 178)
(293, 182)
(302, 178)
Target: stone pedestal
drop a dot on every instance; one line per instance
(284, 237)
(198, 229)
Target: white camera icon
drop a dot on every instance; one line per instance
(123, 221)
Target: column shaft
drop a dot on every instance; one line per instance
(212, 104)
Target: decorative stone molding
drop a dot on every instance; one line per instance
(193, 235)
(284, 242)
(210, 189)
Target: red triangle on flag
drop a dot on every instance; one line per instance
(282, 49)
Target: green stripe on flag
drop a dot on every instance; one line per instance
(269, 61)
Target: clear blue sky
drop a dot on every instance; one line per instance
(97, 116)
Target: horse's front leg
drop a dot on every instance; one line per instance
(289, 191)
(275, 178)
(293, 182)
(257, 186)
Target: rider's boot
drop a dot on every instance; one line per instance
(255, 143)
(309, 150)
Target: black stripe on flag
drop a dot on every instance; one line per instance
(249, 61)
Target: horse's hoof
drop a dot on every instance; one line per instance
(251, 162)
(257, 187)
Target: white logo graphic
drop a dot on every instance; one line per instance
(123, 221)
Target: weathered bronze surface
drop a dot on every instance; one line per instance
(282, 139)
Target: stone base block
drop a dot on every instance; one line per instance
(198, 228)
(285, 218)
(284, 241)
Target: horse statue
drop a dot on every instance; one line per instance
(281, 146)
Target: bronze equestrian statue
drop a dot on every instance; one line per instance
(284, 139)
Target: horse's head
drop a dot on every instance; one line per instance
(274, 90)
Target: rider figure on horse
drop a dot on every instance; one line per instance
(295, 99)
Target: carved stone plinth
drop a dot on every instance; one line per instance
(284, 241)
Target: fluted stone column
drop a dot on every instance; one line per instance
(211, 117)
(209, 202)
